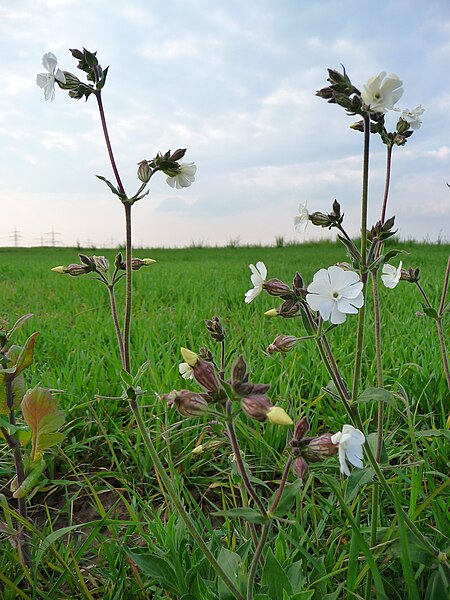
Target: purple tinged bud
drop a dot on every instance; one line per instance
(282, 343)
(101, 263)
(320, 447)
(256, 407)
(275, 287)
(300, 467)
(239, 371)
(205, 375)
(300, 429)
(411, 275)
(77, 270)
(178, 154)
(145, 171)
(188, 404)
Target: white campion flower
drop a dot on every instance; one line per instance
(391, 275)
(186, 371)
(412, 117)
(301, 220)
(47, 80)
(381, 92)
(350, 442)
(335, 292)
(258, 276)
(184, 177)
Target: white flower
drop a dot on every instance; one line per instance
(258, 276)
(335, 293)
(47, 80)
(350, 441)
(412, 117)
(391, 275)
(381, 92)
(184, 177)
(186, 371)
(301, 220)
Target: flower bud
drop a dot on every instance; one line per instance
(136, 263)
(278, 416)
(239, 372)
(300, 467)
(145, 171)
(320, 447)
(256, 406)
(190, 357)
(178, 154)
(205, 375)
(275, 287)
(76, 270)
(300, 429)
(282, 343)
(214, 326)
(273, 312)
(320, 219)
(101, 263)
(60, 269)
(188, 404)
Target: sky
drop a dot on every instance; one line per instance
(233, 82)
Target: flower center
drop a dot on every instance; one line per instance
(336, 295)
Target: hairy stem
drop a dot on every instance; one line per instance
(240, 463)
(128, 288)
(256, 557)
(115, 318)
(98, 96)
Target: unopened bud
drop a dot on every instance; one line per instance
(188, 404)
(282, 343)
(178, 154)
(60, 269)
(278, 416)
(300, 467)
(320, 447)
(190, 357)
(205, 375)
(137, 263)
(145, 171)
(320, 219)
(275, 287)
(76, 270)
(214, 326)
(239, 372)
(257, 406)
(300, 429)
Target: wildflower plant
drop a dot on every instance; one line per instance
(222, 390)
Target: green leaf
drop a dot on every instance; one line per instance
(372, 440)
(113, 189)
(438, 586)
(25, 358)
(156, 567)
(140, 372)
(290, 493)
(376, 394)
(233, 566)
(40, 411)
(17, 325)
(433, 433)
(274, 579)
(296, 576)
(126, 377)
(431, 312)
(357, 479)
(31, 480)
(249, 514)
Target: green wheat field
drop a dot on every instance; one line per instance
(100, 499)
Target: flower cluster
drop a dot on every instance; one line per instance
(252, 397)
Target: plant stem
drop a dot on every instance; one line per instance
(362, 310)
(379, 360)
(177, 502)
(240, 463)
(258, 552)
(112, 299)
(282, 485)
(98, 96)
(128, 287)
(439, 323)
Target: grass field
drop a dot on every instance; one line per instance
(101, 497)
